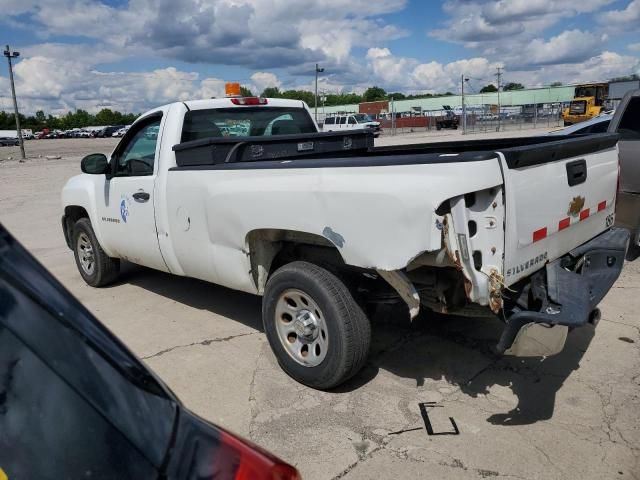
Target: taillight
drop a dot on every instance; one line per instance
(249, 101)
(253, 463)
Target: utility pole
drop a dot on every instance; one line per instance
(499, 76)
(318, 70)
(464, 111)
(9, 54)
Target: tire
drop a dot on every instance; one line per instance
(342, 330)
(103, 269)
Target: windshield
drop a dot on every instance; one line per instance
(242, 122)
(578, 107)
(363, 118)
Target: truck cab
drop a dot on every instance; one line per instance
(353, 121)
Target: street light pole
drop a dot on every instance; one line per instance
(9, 54)
(318, 70)
(464, 111)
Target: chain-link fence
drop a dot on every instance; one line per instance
(476, 119)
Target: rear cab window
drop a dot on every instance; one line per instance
(245, 121)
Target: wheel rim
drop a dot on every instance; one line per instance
(85, 254)
(301, 327)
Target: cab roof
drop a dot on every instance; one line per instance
(226, 103)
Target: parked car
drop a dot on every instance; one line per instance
(323, 224)
(121, 132)
(9, 142)
(353, 121)
(84, 134)
(76, 403)
(108, 131)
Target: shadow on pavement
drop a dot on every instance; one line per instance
(239, 306)
(458, 350)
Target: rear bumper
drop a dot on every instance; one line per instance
(567, 299)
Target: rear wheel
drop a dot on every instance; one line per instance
(317, 331)
(94, 265)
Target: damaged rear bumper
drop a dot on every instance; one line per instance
(567, 292)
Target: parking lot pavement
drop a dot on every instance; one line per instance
(572, 416)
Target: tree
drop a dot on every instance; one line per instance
(245, 92)
(397, 96)
(373, 94)
(489, 88)
(556, 84)
(271, 92)
(513, 86)
(627, 78)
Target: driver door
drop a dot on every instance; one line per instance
(126, 203)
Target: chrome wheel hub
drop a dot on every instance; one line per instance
(85, 254)
(301, 327)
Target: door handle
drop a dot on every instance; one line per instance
(576, 172)
(141, 196)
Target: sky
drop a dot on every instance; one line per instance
(137, 54)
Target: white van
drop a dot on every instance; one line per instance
(351, 121)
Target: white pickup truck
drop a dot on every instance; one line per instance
(244, 193)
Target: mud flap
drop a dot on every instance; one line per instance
(570, 296)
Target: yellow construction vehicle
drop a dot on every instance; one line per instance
(588, 101)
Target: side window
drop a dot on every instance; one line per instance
(352, 121)
(343, 120)
(137, 157)
(330, 121)
(629, 127)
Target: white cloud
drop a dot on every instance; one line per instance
(408, 74)
(251, 33)
(570, 46)
(58, 86)
(262, 80)
(626, 19)
(597, 68)
(634, 47)
(507, 27)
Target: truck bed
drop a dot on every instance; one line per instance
(356, 149)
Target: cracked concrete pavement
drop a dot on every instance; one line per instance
(572, 416)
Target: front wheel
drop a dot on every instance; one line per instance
(317, 331)
(94, 265)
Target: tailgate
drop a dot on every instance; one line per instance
(558, 195)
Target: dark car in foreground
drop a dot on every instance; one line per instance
(76, 403)
(9, 142)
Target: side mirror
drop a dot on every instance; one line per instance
(95, 164)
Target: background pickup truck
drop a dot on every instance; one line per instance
(241, 192)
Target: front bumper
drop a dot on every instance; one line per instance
(567, 292)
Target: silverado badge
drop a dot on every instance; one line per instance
(575, 206)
